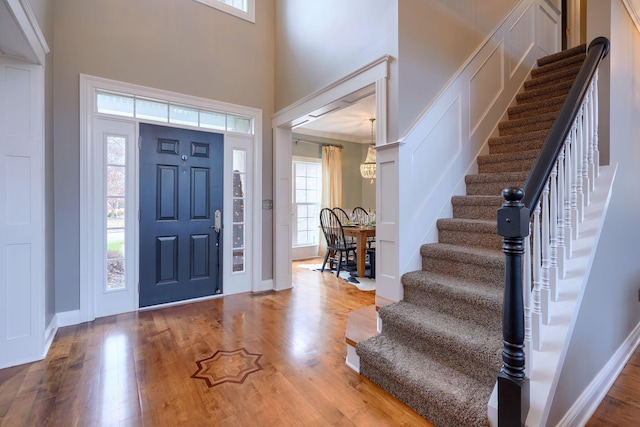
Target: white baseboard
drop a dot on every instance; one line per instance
(265, 285)
(584, 407)
(67, 318)
(49, 335)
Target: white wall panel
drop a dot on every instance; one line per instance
(521, 39)
(18, 304)
(548, 30)
(18, 99)
(18, 190)
(485, 86)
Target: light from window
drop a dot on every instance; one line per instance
(307, 196)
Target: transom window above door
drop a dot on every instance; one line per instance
(165, 112)
(245, 9)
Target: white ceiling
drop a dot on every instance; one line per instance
(350, 123)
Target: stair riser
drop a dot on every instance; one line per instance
(535, 110)
(471, 362)
(506, 130)
(488, 313)
(515, 147)
(424, 403)
(507, 166)
(472, 239)
(536, 95)
(490, 188)
(476, 212)
(550, 79)
(462, 269)
(558, 65)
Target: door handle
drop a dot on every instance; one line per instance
(217, 221)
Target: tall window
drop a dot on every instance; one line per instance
(307, 195)
(115, 208)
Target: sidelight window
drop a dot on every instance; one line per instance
(116, 194)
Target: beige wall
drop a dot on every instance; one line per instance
(176, 45)
(610, 308)
(435, 39)
(319, 42)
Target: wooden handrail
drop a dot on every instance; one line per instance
(514, 218)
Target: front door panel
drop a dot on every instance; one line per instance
(181, 173)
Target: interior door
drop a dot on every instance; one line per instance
(181, 183)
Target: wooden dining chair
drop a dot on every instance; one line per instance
(343, 216)
(359, 215)
(336, 242)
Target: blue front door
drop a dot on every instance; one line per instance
(181, 173)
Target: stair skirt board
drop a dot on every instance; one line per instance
(439, 350)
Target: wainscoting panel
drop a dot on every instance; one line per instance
(521, 39)
(548, 36)
(485, 86)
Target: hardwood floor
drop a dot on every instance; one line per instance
(621, 406)
(141, 368)
(265, 359)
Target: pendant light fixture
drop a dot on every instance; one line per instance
(368, 168)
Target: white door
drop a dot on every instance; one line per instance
(21, 213)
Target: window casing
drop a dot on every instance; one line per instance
(245, 9)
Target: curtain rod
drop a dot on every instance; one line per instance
(324, 144)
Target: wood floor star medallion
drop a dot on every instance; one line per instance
(227, 367)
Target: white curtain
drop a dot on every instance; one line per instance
(331, 184)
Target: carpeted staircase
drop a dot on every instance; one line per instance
(440, 347)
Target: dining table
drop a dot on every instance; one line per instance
(361, 233)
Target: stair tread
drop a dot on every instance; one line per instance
(480, 254)
(554, 57)
(467, 224)
(420, 320)
(528, 120)
(493, 177)
(477, 200)
(452, 284)
(433, 381)
(505, 157)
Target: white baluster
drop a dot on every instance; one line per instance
(553, 233)
(579, 144)
(574, 179)
(586, 185)
(596, 149)
(536, 315)
(592, 177)
(526, 295)
(561, 255)
(545, 296)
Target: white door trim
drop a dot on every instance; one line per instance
(90, 253)
(373, 74)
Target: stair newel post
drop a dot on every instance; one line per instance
(513, 384)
